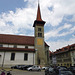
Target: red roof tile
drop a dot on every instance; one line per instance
(16, 49)
(66, 48)
(38, 14)
(38, 20)
(50, 53)
(17, 39)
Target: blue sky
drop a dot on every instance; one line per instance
(17, 17)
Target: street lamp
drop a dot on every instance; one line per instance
(33, 56)
(36, 57)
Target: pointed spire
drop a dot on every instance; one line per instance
(38, 18)
(38, 13)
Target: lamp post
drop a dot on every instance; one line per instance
(36, 56)
(33, 56)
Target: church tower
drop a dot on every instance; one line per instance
(40, 58)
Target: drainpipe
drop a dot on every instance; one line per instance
(3, 59)
(33, 58)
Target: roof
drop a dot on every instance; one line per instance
(65, 49)
(38, 14)
(50, 53)
(17, 39)
(38, 20)
(16, 49)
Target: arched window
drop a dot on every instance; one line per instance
(12, 56)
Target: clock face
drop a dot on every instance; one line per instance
(40, 41)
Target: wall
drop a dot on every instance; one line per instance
(19, 59)
(73, 57)
(18, 46)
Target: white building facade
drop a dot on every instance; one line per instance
(19, 51)
(72, 52)
(10, 56)
(6, 59)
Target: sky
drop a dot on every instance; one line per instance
(17, 18)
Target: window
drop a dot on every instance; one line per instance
(38, 61)
(12, 56)
(72, 47)
(72, 52)
(26, 56)
(1, 45)
(65, 48)
(39, 29)
(15, 46)
(67, 64)
(70, 65)
(39, 34)
(26, 47)
(64, 64)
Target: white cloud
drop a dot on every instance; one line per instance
(22, 18)
(73, 19)
(73, 29)
(60, 43)
(25, 0)
(67, 25)
(11, 22)
(56, 32)
(2, 23)
(60, 9)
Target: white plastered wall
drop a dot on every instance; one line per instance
(19, 59)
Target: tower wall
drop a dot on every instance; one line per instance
(40, 46)
(40, 56)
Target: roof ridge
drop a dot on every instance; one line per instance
(16, 35)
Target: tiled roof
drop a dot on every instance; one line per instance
(50, 53)
(46, 44)
(38, 14)
(16, 49)
(66, 48)
(17, 39)
(38, 18)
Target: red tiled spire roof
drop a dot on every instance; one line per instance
(38, 18)
(38, 14)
